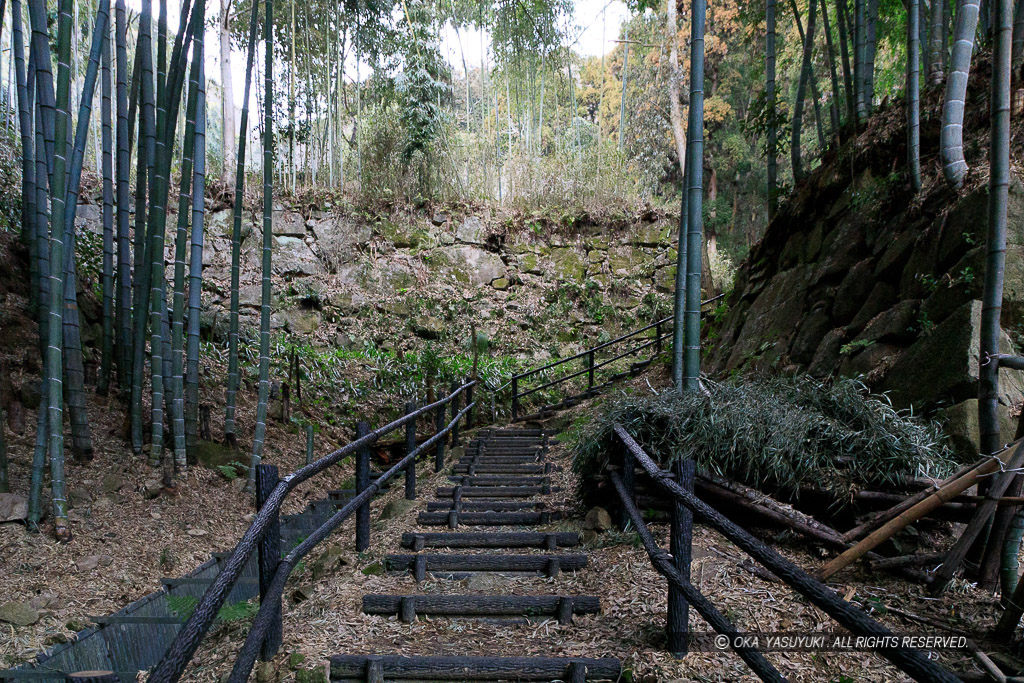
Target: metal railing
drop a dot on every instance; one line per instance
(265, 634)
(662, 331)
(675, 568)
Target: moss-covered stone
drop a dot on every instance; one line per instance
(213, 455)
(568, 264)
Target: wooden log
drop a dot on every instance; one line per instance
(936, 498)
(800, 519)
(496, 491)
(518, 469)
(93, 677)
(269, 556)
(410, 446)
(489, 459)
(362, 483)
(485, 506)
(350, 668)
(758, 508)
(480, 605)
(486, 480)
(486, 563)
(881, 518)
(487, 518)
(492, 540)
(677, 625)
(907, 561)
(977, 524)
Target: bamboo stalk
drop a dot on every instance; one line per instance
(978, 523)
(907, 517)
(887, 515)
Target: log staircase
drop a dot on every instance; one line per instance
(502, 484)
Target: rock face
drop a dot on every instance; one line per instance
(403, 278)
(13, 507)
(854, 279)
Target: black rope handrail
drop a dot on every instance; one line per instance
(268, 607)
(909, 660)
(174, 661)
(662, 562)
(611, 342)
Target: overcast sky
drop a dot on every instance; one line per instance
(595, 26)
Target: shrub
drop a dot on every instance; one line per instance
(775, 434)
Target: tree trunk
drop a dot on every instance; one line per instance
(833, 74)
(674, 80)
(801, 90)
(230, 437)
(227, 99)
(1018, 36)
(937, 43)
(773, 136)
(951, 140)
(914, 94)
(195, 285)
(851, 103)
(185, 201)
(679, 134)
(860, 41)
(999, 179)
(268, 224)
(625, 77)
(870, 48)
(142, 254)
(124, 274)
(695, 196)
(54, 356)
(106, 357)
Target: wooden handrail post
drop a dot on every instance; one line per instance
(309, 444)
(362, 483)
(469, 402)
(269, 558)
(515, 398)
(439, 415)
(590, 370)
(410, 446)
(657, 338)
(680, 547)
(455, 415)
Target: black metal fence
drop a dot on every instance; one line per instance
(674, 566)
(263, 536)
(595, 360)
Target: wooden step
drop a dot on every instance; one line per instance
(512, 539)
(454, 518)
(376, 669)
(495, 480)
(563, 607)
(549, 565)
(524, 469)
(499, 460)
(495, 491)
(482, 505)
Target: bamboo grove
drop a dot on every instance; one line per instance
(150, 317)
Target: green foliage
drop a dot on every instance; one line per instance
(182, 606)
(855, 346)
(772, 433)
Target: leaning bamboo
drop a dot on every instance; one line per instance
(887, 515)
(982, 514)
(943, 495)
